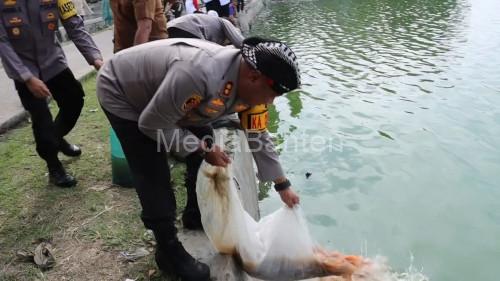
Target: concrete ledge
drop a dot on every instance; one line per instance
(13, 121)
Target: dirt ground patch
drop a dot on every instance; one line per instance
(76, 261)
(86, 261)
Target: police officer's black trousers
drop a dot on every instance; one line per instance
(151, 175)
(68, 94)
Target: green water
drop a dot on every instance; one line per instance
(402, 99)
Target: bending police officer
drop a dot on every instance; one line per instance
(156, 90)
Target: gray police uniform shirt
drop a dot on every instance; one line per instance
(28, 45)
(167, 85)
(213, 29)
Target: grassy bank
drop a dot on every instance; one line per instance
(88, 225)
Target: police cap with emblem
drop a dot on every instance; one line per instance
(275, 60)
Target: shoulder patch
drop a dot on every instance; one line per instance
(217, 102)
(51, 16)
(16, 31)
(240, 107)
(15, 21)
(66, 9)
(255, 119)
(211, 111)
(8, 3)
(192, 102)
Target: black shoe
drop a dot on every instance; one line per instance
(191, 219)
(69, 149)
(60, 178)
(173, 258)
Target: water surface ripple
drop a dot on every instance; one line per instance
(407, 96)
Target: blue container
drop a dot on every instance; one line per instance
(119, 165)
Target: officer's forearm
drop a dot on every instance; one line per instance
(83, 41)
(265, 156)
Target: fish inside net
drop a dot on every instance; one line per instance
(279, 245)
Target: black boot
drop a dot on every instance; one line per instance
(173, 258)
(170, 254)
(69, 149)
(59, 177)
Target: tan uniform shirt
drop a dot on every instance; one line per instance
(126, 13)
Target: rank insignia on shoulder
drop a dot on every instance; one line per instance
(192, 102)
(255, 119)
(240, 107)
(211, 111)
(8, 3)
(191, 117)
(66, 9)
(217, 102)
(226, 92)
(16, 31)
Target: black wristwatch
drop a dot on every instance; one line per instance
(282, 185)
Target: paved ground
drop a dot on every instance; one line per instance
(11, 110)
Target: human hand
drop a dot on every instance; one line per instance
(289, 197)
(38, 88)
(217, 157)
(98, 64)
